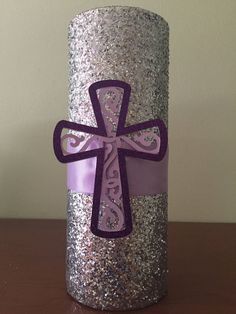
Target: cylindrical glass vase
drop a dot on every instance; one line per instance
(117, 234)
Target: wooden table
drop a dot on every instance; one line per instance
(202, 264)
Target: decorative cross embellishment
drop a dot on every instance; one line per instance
(111, 211)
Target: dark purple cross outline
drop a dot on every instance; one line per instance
(100, 152)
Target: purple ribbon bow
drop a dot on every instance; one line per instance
(111, 211)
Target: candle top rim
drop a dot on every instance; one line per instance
(112, 7)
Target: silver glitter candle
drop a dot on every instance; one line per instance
(130, 45)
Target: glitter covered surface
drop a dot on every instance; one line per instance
(128, 44)
(119, 43)
(123, 273)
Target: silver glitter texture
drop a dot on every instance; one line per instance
(132, 45)
(124, 273)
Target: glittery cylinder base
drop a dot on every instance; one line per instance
(118, 274)
(131, 45)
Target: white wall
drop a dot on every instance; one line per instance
(33, 97)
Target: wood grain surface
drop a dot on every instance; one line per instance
(202, 269)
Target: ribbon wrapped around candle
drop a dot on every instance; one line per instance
(116, 152)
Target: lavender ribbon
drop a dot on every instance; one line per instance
(145, 177)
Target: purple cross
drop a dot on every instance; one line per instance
(105, 135)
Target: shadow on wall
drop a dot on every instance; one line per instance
(201, 158)
(33, 180)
